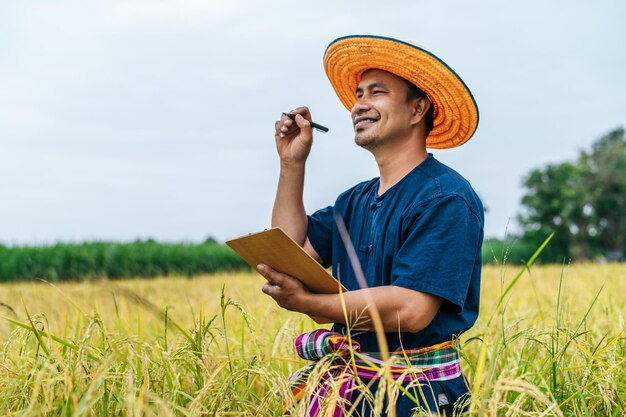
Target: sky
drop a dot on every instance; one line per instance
(137, 119)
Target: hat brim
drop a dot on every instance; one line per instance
(455, 110)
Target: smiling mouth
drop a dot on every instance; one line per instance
(363, 123)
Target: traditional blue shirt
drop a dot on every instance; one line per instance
(425, 233)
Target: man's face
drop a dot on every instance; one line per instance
(382, 112)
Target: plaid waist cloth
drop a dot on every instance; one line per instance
(340, 362)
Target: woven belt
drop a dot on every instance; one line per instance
(439, 362)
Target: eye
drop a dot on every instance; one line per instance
(374, 92)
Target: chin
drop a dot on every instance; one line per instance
(366, 142)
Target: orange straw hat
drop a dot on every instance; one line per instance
(455, 110)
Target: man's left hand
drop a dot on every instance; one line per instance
(288, 292)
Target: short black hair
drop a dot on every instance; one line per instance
(416, 92)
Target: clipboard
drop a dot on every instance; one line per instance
(274, 248)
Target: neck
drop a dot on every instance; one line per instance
(396, 162)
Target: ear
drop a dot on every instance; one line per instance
(420, 107)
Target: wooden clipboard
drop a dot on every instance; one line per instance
(274, 248)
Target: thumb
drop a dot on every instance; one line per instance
(302, 122)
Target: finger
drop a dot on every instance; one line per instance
(267, 272)
(284, 127)
(267, 288)
(302, 122)
(303, 111)
(270, 275)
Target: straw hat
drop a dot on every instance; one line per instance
(455, 111)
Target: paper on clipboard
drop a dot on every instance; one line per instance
(274, 248)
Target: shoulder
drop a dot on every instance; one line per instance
(441, 185)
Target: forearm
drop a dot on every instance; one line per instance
(288, 212)
(400, 309)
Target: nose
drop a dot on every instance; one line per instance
(360, 106)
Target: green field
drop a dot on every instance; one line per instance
(552, 345)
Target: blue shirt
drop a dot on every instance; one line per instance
(425, 233)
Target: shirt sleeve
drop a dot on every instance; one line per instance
(441, 242)
(320, 234)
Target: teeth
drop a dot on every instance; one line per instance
(364, 121)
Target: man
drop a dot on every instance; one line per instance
(417, 229)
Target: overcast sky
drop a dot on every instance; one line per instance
(154, 119)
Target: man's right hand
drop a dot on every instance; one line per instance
(294, 137)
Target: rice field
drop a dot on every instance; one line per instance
(548, 342)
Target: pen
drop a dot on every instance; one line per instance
(313, 124)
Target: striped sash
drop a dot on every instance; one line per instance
(345, 362)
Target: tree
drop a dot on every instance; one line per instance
(555, 202)
(584, 202)
(605, 166)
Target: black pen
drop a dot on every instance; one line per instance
(313, 124)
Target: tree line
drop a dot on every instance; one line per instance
(67, 261)
(582, 201)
